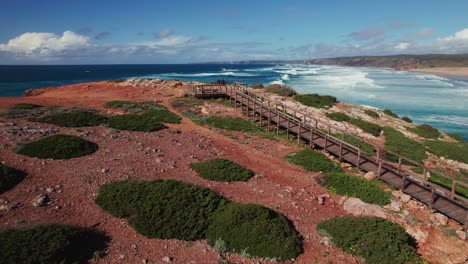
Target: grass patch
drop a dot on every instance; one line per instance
(444, 181)
(161, 115)
(390, 113)
(376, 240)
(74, 119)
(355, 142)
(353, 186)
(222, 170)
(224, 101)
(120, 104)
(134, 122)
(228, 123)
(136, 107)
(338, 116)
(371, 113)
(50, 244)
(161, 209)
(25, 106)
(282, 90)
(407, 119)
(456, 151)
(57, 147)
(257, 86)
(9, 177)
(397, 142)
(256, 231)
(186, 102)
(316, 100)
(425, 131)
(313, 161)
(368, 127)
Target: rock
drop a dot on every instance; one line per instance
(346, 165)
(40, 200)
(369, 176)
(145, 261)
(167, 259)
(439, 219)
(50, 189)
(405, 198)
(396, 194)
(321, 198)
(418, 234)
(105, 170)
(461, 234)
(395, 206)
(357, 207)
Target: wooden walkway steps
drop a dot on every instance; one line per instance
(319, 134)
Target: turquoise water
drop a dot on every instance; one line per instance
(425, 98)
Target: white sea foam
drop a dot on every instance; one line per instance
(280, 82)
(285, 77)
(208, 74)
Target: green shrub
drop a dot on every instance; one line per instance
(134, 122)
(315, 100)
(186, 102)
(257, 86)
(376, 240)
(161, 115)
(229, 123)
(222, 170)
(9, 177)
(58, 147)
(371, 113)
(368, 127)
(338, 116)
(313, 161)
(74, 119)
(407, 119)
(25, 106)
(256, 231)
(397, 142)
(355, 142)
(282, 90)
(456, 151)
(161, 209)
(355, 187)
(457, 137)
(50, 244)
(425, 131)
(390, 113)
(120, 104)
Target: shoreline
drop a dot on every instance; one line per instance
(450, 72)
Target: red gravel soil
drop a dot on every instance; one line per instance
(72, 184)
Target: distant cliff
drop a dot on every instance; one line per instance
(400, 62)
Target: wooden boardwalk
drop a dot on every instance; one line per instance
(319, 135)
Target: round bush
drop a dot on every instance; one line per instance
(376, 240)
(161, 209)
(313, 161)
(9, 178)
(58, 147)
(256, 231)
(75, 119)
(338, 116)
(134, 122)
(222, 170)
(50, 244)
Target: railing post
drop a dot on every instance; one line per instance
(248, 105)
(287, 129)
(403, 182)
(277, 123)
(311, 140)
(254, 107)
(269, 117)
(431, 204)
(399, 164)
(235, 100)
(326, 141)
(299, 133)
(358, 161)
(454, 188)
(379, 170)
(341, 147)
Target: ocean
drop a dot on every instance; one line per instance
(425, 98)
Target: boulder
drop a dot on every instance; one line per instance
(461, 234)
(40, 200)
(369, 176)
(321, 198)
(357, 207)
(439, 219)
(405, 198)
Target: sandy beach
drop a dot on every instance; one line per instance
(446, 71)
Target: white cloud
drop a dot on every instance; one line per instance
(44, 44)
(402, 45)
(458, 36)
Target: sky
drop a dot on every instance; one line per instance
(175, 31)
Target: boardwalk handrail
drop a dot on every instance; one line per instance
(377, 157)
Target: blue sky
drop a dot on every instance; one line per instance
(158, 31)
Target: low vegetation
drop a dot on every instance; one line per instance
(9, 177)
(161, 209)
(222, 170)
(57, 147)
(397, 142)
(338, 116)
(25, 106)
(355, 142)
(316, 100)
(282, 90)
(228, 123)
(368, 127)
(313, 161)
(354, 186)
(376, 240)
(79, 118)
(371, 113)
(256, 231)
(456, 151)
(457, 137)
(390, 113)
(169, 209)
(407, 119)
(425, 131)
(51, 244)
(186, 102)
(445, 182)
(257, 86)
(134, 122)
(121, 104)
